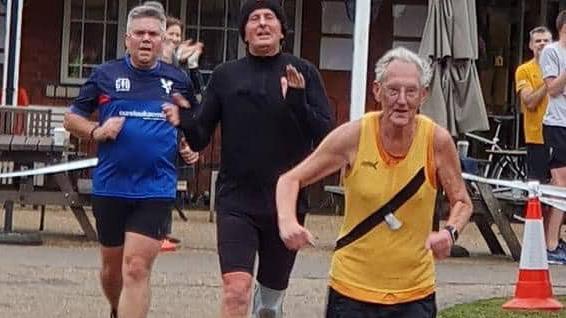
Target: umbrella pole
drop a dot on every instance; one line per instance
(360, 60)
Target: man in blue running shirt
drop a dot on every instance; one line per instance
(134, 183)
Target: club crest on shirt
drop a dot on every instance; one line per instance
(123, 84)
(167, 85)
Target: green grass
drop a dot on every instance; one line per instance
(492, 309)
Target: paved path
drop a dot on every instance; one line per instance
(62, 282)
(60, 278)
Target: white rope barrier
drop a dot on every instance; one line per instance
(57, 168)
(547, 194)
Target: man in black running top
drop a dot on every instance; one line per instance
(273, 109)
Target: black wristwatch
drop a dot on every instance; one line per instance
(453, 232)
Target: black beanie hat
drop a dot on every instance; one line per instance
(250, 6)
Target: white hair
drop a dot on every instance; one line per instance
(146, 11)
(405, 55)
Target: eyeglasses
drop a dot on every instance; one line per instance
(394, 92)
(140, 34)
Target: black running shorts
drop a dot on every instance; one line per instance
(555, 140)
(116, 216)
(340, 306)
(240, 236)
(537, 163)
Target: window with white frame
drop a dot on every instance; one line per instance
(90, 37)
(215, 23)
(94, 31)
(173, 8)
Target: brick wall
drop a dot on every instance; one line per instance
(42, 24)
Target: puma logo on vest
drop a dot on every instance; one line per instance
(370, 164)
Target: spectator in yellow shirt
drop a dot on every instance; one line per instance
(532, 92)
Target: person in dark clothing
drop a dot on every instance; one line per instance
(273, 109)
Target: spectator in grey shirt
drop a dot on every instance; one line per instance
(553, 65)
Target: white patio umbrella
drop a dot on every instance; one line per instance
(450, 43)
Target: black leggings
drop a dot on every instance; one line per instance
(240, 236)
(340, 306)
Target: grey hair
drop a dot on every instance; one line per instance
(146, 11)
(539, 29)
(405, 55)
(155, 4)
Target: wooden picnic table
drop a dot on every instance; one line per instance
(57, 189)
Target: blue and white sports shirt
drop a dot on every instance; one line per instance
(140, 163)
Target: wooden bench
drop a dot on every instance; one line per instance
(57, 114)
(24, 129)
(25, 121)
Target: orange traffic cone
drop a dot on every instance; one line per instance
(533, 290)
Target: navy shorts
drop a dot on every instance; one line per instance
(340, 306)
(241, 236)
(555, 140)
(537, 163)
(116, 216)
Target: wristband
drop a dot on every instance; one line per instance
(453, 232)
(92, 132)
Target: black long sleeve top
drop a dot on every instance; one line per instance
(263, 134)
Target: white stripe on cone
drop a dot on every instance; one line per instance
(533, 253)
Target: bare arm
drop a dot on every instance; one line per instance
(556, 84)
(450, 176)
(83, 128)
(531, 98)
(78, 125)
(337, 150)
(76, 119)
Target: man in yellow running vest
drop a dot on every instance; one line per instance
(395, 161)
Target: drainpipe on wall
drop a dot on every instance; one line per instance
(12, 42)
(360, 59)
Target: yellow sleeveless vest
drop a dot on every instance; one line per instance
(385, 266)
